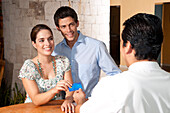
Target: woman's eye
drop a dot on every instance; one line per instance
(41, 40)
(51, 38)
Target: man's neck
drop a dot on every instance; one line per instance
(71, 43)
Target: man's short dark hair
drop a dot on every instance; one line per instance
(64, 12)
(144, 32)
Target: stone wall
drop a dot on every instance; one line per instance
(19, 16)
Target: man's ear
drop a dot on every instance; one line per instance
(33, 43)
(58, 28)
(77, 23)
(128, 48)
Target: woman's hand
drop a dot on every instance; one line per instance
(68, 106)
(62, 85)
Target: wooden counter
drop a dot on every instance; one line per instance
(51, 107)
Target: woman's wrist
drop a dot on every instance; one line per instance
(54, 91)
(69, 98)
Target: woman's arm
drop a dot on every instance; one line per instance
(67, 104)
(68, 77)
(42, 98)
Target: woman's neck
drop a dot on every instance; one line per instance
(44, 59)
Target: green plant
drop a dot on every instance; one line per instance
(5, 95)
(18, 97)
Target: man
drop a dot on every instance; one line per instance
(144, 88)
(87, 55)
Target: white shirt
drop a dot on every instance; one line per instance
(144, 88)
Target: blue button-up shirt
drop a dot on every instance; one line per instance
(88, 56)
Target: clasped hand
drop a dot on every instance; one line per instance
(67, 105)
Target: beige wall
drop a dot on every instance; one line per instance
(131, 7)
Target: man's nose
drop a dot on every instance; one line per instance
(68, 28)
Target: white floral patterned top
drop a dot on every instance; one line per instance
(30, 71)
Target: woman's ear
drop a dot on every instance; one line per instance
(34, 44)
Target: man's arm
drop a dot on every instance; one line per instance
(106, 62)
(77, 109)
(79, 97)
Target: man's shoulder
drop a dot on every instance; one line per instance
(117, 77)
(93, 41)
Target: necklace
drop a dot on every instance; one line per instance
(39, 65)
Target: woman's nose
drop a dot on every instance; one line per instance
(47, 42)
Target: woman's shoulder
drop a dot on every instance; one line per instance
(29, 63)
(60, 57)
(28, 70)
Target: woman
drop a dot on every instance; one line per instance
(45, 76)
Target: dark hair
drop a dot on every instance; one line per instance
(38, 28)
(144, 32)
(64, 12)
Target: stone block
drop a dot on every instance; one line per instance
(76, 6)
(81, 18)
(38, 9)
(95, 29)
(104, 19)
(64, 3)
(81, 25)
(24, 4)
(51, 7)
(19, 55)
(103, 10)
(87, 29)
(104, 28)
(105, 2)
(15, 2)
(93, 10)
(85, 9)
(90, 19)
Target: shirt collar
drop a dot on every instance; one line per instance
(144, 65)
(80, 39)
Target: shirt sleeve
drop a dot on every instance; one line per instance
(105, 61)
(107, 96)
(27, 70)
(97, 103)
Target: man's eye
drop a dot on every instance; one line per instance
(62, 27)
(72, 24)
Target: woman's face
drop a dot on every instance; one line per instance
(44, 42)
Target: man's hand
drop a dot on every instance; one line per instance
(79, 97)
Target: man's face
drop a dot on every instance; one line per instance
(68, 28)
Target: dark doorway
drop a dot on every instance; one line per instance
(158, 12)
(115, 33)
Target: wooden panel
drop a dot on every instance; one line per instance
(166, 28)
(2, 66)
(51, 107)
